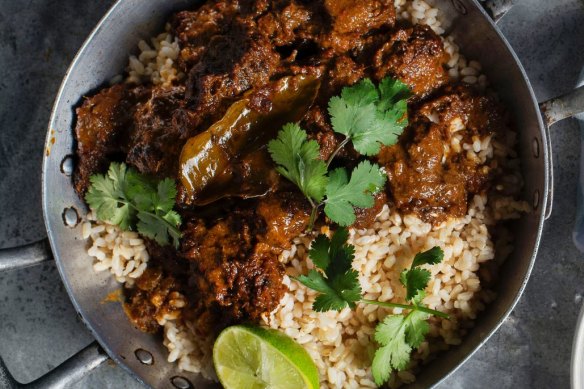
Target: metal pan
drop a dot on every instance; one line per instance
(105, 53)
(577, 362)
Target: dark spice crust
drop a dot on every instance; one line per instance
(227, 265)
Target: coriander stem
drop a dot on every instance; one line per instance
(339, 147)
(313, 214)
(407, 306)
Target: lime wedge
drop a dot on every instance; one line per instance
(247, 357)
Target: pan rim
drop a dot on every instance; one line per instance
(64, 277)
(544, 200)
(119, 361)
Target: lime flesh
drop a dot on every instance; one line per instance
(247, 357)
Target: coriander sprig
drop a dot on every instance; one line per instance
(368, 116)
(135, 202)
(297, 160)
(397, 335)
(338, 287)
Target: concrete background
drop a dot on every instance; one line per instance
(38, 325)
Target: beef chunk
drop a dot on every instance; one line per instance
(229, 239)
(161, 126)
(154, 300)
(236, 279)
(418, 179)
(464, 106)
(360, 17)
(285, 216)
(146, 126)
(103, 124)
(222, 52)
(429, 172)
(353, 20)
(343, 71)
(365, 217)
(234, 62)
(194, 29)
(289, 23)
(237, 275)
(416, 56)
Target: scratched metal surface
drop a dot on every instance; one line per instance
(38, 326)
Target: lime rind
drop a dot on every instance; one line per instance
(255, 357)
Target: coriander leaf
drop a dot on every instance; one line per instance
(340, 253)
(417, 328)
(336, 253)
(389, 329)
(430, 257)
(133, 201)
(297, 160)
(414, 280)
(123, 217)
(329, 299)
(392, 92)
(314, 281)
(150, 227)
(379, 132)
(338, 241)
(160, 227)
(397, 336)
(370, 117)
(341, 212)
(145, 200)
(344, 194)
(352, 120)
(138, 184)
(342, 261)
(329, 302)
(117, 175)
(392, 110)
(103, 198)
(394, 352)
(319, 252)
(340, 283)
(418, 298)
(166, 195)
(348, 287)
(173, 218)
(361, 94)
(394, 120)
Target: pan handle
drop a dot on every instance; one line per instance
(552, 111)
(61, 377)
(25, 256)
(497, 8)
(75, 367)
(562, 107)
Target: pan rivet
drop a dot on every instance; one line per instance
(70, 217)
(181, 382)
(67, 165)
(144, 356)
(535, 199)
(535, 147)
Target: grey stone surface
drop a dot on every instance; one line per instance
(38, 325)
